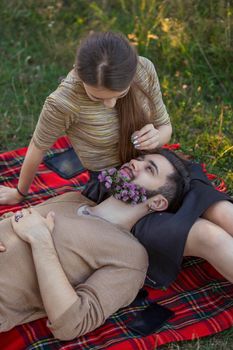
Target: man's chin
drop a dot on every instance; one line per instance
(126, 174)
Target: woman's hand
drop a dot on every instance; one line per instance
(30, 226)
(9, 195)
(147, 138)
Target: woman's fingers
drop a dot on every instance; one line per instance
(149, 138)
(144, 130)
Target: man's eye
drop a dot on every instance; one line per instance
(150, 169)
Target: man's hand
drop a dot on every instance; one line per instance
(30, 226)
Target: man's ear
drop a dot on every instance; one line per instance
(158, 203)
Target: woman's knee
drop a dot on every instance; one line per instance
(203, 238)
(220, 213)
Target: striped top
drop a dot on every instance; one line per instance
(92, 128)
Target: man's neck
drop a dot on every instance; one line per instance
(118, 212)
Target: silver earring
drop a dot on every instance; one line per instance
(149, 209)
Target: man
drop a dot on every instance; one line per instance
(87, 265)
(201, 226)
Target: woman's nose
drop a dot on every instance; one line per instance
(110, 103)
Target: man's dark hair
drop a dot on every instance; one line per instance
(177, 183)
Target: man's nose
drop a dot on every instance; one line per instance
(135, 164)
(110, 103)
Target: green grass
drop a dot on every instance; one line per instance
(190, 42)
(221, 341)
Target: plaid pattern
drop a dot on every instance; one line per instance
(201, 298)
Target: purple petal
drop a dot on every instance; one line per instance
(124, 193)
(107, 185)
(112, 171)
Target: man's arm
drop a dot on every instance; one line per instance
(56, 291)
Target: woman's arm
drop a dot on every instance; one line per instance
(30, 165)
(50, 126)
(165, 133)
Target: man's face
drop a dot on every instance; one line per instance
(148, 171)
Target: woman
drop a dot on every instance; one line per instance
(111, 96)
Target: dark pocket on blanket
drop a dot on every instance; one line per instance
(147, 321)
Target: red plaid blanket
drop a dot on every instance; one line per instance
(201, 298)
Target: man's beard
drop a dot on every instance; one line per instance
(120, 185)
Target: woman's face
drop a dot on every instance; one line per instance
(101, 94)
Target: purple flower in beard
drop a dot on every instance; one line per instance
(107, 185)
(121, 187)
(124, 175)
(143, 198)
(124, 193)
(112, 171)
(143, 191)
(131, 194)
(125, 185)
(117, 179)
(108, 179)
(101, 177)
(132, 186)
(117, 195)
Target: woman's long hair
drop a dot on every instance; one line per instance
(108, 60)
